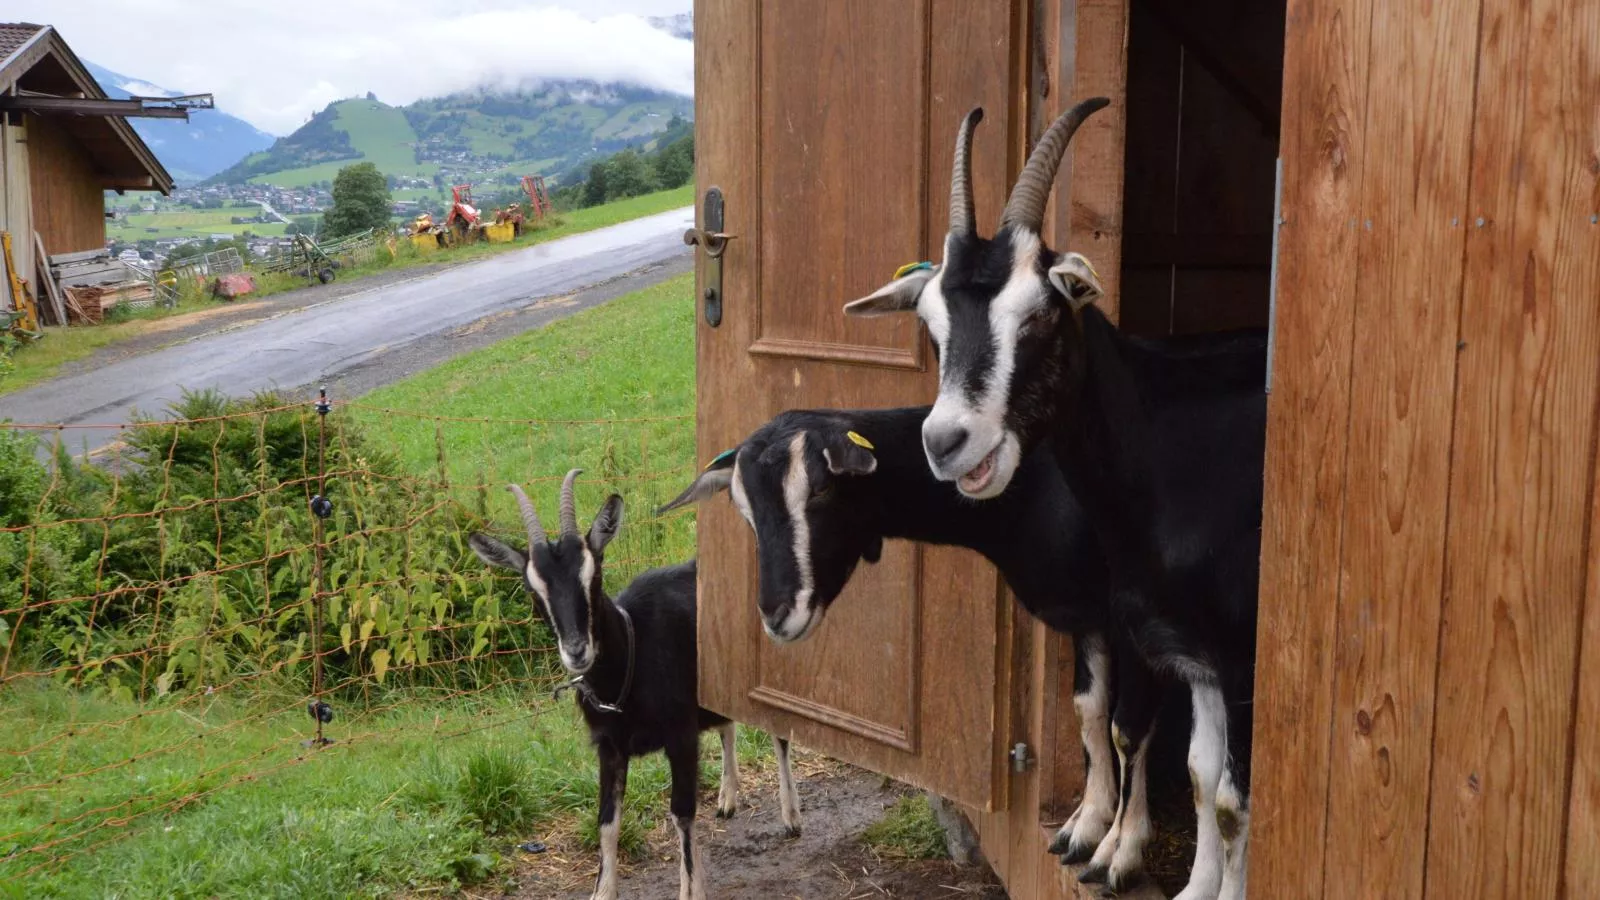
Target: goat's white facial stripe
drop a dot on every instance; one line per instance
(741, 500)
(586, 572)
(796, 488)
(540, 590)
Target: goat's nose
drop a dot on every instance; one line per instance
(944, 443)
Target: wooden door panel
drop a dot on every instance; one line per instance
(834, 206)
(901, 677)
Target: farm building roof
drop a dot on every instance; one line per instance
(34, 58)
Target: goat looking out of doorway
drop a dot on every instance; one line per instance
(1162, 441)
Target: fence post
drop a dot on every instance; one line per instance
(321, 508)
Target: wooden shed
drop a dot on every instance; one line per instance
(56, 165)
(1427, 716)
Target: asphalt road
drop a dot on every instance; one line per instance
(367, 338)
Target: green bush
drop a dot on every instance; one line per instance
(194, 561)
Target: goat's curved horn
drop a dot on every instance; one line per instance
(569, 504)
(1025, 209)
(530, 519)
(961, 215)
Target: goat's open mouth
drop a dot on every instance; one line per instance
(979, 476)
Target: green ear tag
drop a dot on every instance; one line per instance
(908, 268)
(858, 440)
(720, 457)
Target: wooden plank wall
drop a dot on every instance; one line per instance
(68, 201)
(1422, 728)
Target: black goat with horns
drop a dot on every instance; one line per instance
(633, 667)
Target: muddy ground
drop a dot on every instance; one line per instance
(749, 856)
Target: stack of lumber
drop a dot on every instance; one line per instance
(93, 281)
(87, 304)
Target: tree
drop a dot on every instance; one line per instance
(360, 201)
(594, 188)
(627, 175)
(675, 162)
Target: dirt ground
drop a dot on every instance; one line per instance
(749, 856)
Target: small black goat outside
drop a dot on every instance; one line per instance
(634, 667)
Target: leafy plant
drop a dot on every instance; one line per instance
(907, 831)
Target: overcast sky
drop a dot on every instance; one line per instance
(275, 62)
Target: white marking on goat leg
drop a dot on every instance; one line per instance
(1208, 760)
(1233, 820)
(1127, 863)
(728, 796)
(605, 887)
(1103, 854)
(691, 875)
(1091, 821)
(788, 796)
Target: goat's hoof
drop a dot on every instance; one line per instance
(726, 813)
(1058, 845)
(1077, 854)
(1094, 875)
(1120, 882)
(792, 831)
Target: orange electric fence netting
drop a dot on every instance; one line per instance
(295, 568)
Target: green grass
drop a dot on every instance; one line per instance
(908, 830)
(631, 359)
(189, 223)
(227, 801)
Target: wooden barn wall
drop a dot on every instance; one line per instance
(68, 202)
(15, 215)
(1427, 714)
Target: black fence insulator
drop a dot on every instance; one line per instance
(321, 506)
(320, 710)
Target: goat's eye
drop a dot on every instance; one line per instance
(822, 490)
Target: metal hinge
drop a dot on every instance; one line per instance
(1272, 277)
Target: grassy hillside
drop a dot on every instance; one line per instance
(466, 137)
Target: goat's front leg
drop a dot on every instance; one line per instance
(1091, 695)
(1119, 860)
(728, 796)
(683, 756)
(1233, 821)
(613, 784)
(1208, 762)
(788, 797)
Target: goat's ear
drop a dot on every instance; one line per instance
(607, 522)
(1076, 279)
(716, 477)
(899, 295)
(496, 553)
(848, 453)
(874, 549)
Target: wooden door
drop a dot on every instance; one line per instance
(828, 127)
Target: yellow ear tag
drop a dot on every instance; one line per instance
(858, 440)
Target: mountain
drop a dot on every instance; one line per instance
(209, 142)
(465, 137)
(679, 26)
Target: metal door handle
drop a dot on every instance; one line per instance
(713, 242)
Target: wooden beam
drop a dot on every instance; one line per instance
(74, 106)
